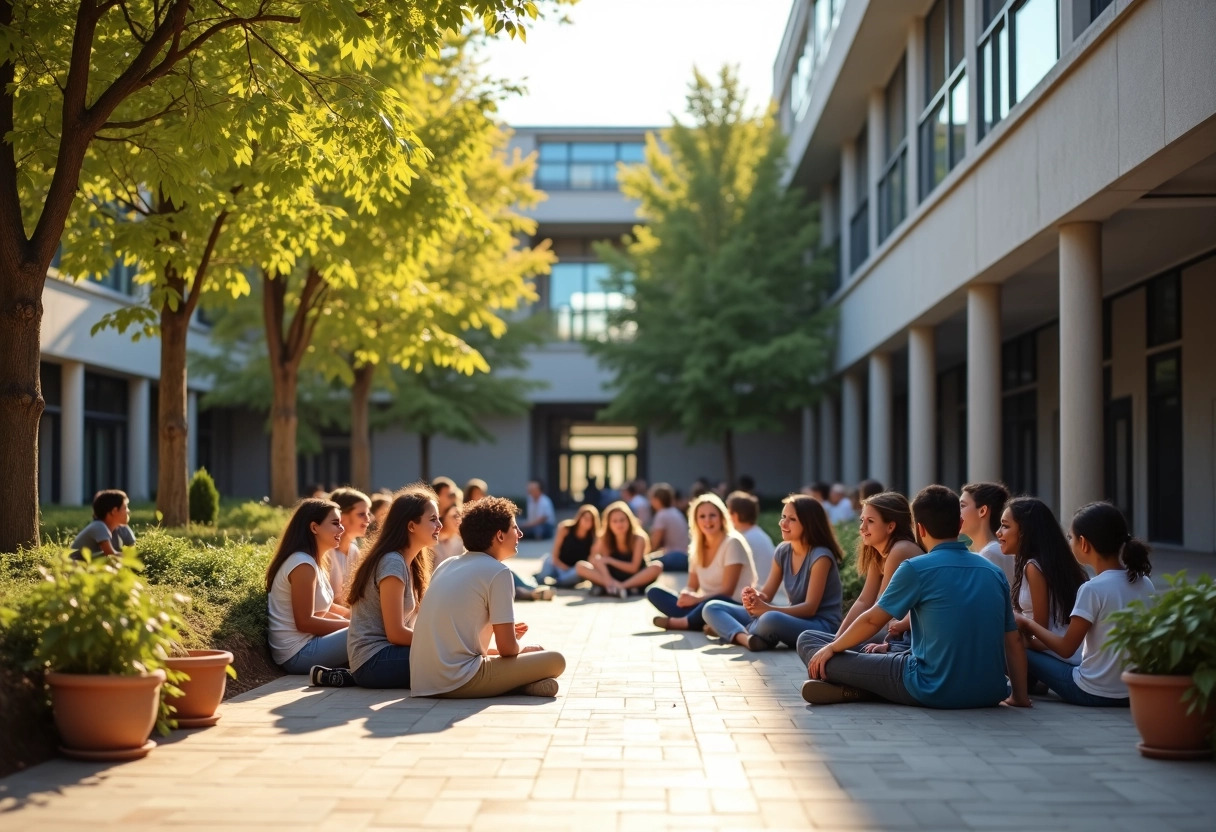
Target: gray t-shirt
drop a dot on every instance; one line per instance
(675, 529)
(796, 582)
(92, 535)
(468, 595)
(366, 635)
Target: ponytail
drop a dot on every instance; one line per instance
(1105, 528)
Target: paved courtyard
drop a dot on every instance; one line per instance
(650, 731)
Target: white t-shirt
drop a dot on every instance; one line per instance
(449, 548)
(993, 554)
(841, 512)
(762, 551)
(1026, 605)
(285, 640)
(732, 550)
(341, 569)
(641, 508)
(1097, 598)
(675, 529)
(468, 595)
(540, 508)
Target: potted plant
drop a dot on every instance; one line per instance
(103, 637)
(201, 677)
(1170, 649)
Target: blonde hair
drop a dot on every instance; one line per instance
(606, 535)
(696, 540)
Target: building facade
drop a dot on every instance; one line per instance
(1021, 198)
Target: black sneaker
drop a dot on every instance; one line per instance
(597, 591)
(330, 677)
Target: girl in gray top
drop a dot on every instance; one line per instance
(387, 589)
(808, 564)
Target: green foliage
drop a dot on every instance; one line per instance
(97, 616)
(729, 331)
(204, 499)
(1174, 635)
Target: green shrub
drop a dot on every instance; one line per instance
(204, 499)
(253, 520)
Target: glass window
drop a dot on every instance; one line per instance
(580, 297)
(587, 166)
(935, 48)
(823, 26)
(958, 121)
(554, 152)
(896, 110)
(632, 152)
(1165, 434)
(943, 124)
(592, 152)
(1019, 45)
(1164, 309)
(1036, 29)
(957, 45)
(892, 188)
(861, 167)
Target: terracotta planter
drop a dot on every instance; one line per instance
(105, 717)
(203, 692)
(1161, 717)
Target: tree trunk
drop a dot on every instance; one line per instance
(728, 448)
(284, 420)
(173, 431)
(360, 431)
(21, 402)
(424, 456)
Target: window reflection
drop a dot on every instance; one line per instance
(583, 166)
(580, 297)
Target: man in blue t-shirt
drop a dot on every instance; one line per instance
(964, 639)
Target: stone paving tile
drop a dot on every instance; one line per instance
(651, 731)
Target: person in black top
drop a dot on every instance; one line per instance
(571, 544)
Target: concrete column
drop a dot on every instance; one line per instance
(850, 428)
(913, 69)
(848, 188)
(1081, 459)
(875, 131)
(922, 408)
(192, 431)
(829, 456)
(881, 405)
(138, 417)
(808, 444)
(829, 215)
(984, 382)
(71, 441)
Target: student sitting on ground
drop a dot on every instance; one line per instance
(571, 544)
(469, 599)
(450, 543)
(744, 511)
(617, 565)
(1046, 575)
(668, 530)
(1100, 540)
(720, 568)
(885, 540)
(307, 628)
(962, 629)
(108, 532)
(387, 589)
(808, 563)
(982, 504)
(475, 489)
(355, 512)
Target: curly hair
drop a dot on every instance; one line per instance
(484, 519)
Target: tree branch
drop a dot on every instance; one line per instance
(13, 243)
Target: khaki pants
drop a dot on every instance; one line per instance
(499, 675)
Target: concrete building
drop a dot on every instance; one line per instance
(1021, 195)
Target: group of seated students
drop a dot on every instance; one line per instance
(401, 614)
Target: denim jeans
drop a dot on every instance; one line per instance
(674, 561)
(329, 651)
(565, 576)
(1057, 675)
(881, 674)
(541, 531)
(389, 668)
(773, 626)
(665, 601)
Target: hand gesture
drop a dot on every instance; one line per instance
(817, 667)
(876, 648)
(898, 628)
(687, 599)
(531, 648)
(520, 629)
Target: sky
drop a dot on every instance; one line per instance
(629, 62)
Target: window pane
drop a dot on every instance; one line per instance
(823, 26)
(551, 175)
(593, 152)
(957, 41)
(554, 151)
(934, 144)
(862, 168)
(897, 112)
(1036, 37)
(935, 49)
(632, 152)
(583, 177)
(1003, 81)
(958, 106)
(987, 85)
(1164, 310)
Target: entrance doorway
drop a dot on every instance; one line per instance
(580, 450)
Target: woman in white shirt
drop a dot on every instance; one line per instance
(388, 588)
(719, 567)
(1100, 540)
(306, 627)
(355, 512)
(1046, 576)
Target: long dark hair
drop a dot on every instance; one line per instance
(1041, 540)
(572, 523)
(1105, 527)
(892, 507)
(816, 529)
(298, 537)
(409, 505)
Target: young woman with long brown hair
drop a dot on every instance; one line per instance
(886, 538)
(617, 564)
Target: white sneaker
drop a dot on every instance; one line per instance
(543, 593)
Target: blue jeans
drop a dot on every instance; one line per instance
(329, 651)
(1057, 675)
(389, 668)
(881, 674)
(773, 626)
(674, 561)
(666, 603)
(565, 576)
(541, 531)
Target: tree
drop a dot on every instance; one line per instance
(727, 321)
(75, 73)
